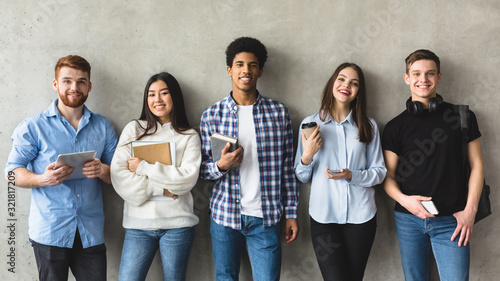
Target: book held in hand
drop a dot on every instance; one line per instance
(154, 151)
(218, 141)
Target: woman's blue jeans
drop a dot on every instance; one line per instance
(139, 249)
(416, 238)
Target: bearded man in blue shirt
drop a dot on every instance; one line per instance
(66, 216)
(254, 184)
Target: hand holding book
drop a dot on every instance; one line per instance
(133, 163)
(153, 152)
(230, 158)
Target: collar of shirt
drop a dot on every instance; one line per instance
(53, 111)
(349, 119)
(233, 105)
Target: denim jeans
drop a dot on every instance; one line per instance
(139, 249)
(262, 243)
(417, 236)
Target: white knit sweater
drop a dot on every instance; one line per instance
(151, 179)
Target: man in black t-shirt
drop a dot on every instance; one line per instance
(422, 150)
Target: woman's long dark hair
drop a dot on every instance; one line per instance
(178, 117)
(358, 105)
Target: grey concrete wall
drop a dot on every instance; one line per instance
(128, 41)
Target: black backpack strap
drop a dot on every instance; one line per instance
(484, 206)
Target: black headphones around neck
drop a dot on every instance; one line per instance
(416, 108)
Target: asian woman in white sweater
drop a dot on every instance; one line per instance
(158, 210)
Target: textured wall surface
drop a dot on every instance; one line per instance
(128, 41)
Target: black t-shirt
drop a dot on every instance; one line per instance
(430, 160)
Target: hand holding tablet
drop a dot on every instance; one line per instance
(76, 160)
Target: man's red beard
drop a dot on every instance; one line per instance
(73, 103)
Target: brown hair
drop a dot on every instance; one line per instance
(422, 54)
(72, 61)
(358, 105)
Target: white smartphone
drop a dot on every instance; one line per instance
(333, 171)
(430, 207)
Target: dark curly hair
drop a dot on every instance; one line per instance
(248, 45)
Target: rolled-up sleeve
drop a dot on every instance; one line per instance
(24, 148)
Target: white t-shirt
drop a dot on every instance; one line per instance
(251, 204)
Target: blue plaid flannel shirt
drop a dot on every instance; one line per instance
(273, 129)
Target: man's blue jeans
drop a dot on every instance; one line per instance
(417, 236)
(262, 243)
(140, 247)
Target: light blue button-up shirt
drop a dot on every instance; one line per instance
(56, 211)
(342, 201)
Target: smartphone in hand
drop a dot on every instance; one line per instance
(333, 171)
(430, 207)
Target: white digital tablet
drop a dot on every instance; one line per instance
(76, 160)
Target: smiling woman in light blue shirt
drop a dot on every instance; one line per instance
(343, 157)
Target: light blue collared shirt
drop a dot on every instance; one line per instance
(56, 211)
(342, 201)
